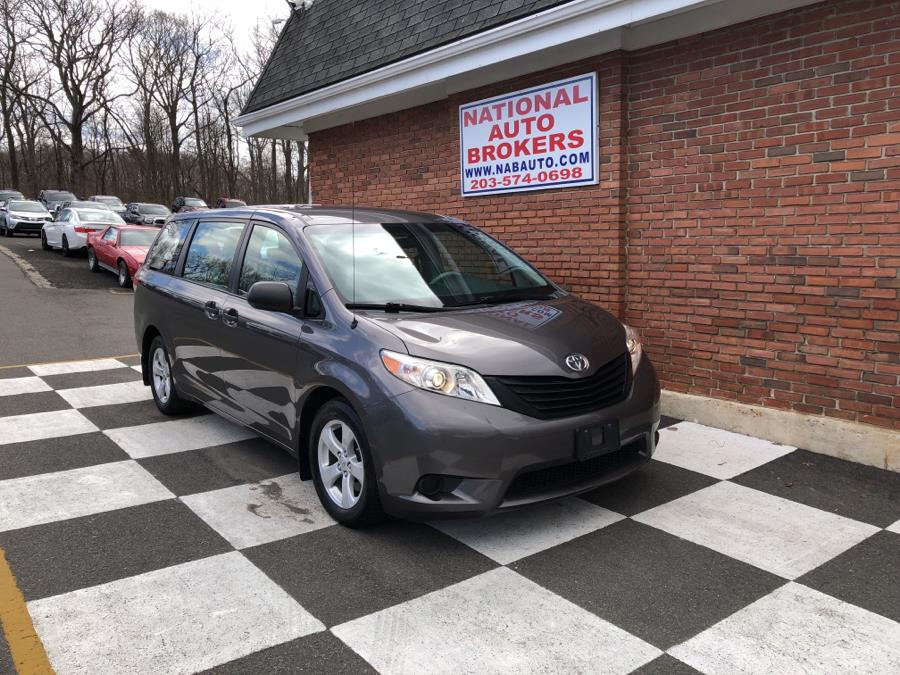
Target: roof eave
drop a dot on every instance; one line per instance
(562, 34)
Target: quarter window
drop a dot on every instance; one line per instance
(211, 251)
(164, 254)
(270, 256)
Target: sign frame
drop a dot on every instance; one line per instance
(591, 144)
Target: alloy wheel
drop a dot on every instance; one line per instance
(341, 464)
(162, 375)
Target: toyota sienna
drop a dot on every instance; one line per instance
(413, 364)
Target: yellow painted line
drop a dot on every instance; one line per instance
(25, 646)
(92, 358)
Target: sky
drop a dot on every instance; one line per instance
(242, 13)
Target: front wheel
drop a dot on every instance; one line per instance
(93, 265)
(124, 275)
(342, 466)
(44, 243)
(7, 231)
(162, 384)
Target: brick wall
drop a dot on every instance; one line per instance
(747, 219)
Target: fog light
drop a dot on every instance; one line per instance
(429, 485)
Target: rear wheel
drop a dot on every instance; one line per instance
(124, 275)
(93, 265)
(65, 247)
(342, 466)
(162, 383)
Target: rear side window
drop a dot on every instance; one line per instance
(269, 257)
(211, 252)
(164, 255)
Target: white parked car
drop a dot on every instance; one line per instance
(22, 216)
(70, 230)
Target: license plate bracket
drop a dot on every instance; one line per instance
(596, 440)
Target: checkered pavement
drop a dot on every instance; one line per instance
(151, 544)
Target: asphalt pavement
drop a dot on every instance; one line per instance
(78, 315)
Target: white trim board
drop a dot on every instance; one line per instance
(556, 36)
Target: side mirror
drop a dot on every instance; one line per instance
(271, 296)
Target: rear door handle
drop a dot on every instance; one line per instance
(212, 310)
(230, 317)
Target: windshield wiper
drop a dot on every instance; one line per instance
(394, 307)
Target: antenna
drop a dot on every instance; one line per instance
(355, 322)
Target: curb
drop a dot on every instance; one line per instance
(856, 442)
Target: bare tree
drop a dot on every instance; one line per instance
(80, 40)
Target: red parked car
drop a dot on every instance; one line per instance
(120, 249)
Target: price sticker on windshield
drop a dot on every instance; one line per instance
(535, 139)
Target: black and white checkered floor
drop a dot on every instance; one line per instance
(145, 544)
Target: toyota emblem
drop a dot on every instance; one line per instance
(577, 362)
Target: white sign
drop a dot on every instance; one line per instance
(534, 139)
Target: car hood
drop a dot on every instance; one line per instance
(28, 214)
(136, 252)
(525, 338)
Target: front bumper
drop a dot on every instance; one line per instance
(26, 226)
(438, 457)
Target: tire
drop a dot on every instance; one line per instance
(165, 396)
(44, 245)
(6, 231)
(66, 251)
(359, 504)
(93, 265)
(124, 275)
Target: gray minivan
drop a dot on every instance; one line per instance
(413, 364)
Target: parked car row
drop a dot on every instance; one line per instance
(115, 236)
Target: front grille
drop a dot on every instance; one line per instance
(555, 397)
(574, 474)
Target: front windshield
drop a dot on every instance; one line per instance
(99, 216)
(153, 210)
(137, 237)
(115, 201)
(27, 207)
(193, 201)
(431, 264)
(59, 196)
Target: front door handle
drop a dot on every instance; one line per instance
(212, 310)
(230, 317)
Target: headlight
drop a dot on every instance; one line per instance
(441, 378)
(633, 342)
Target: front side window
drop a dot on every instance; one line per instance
(152, 210)
(164, 254)
(211, 251)
(270, 256)
(110, 234)
(438, 265)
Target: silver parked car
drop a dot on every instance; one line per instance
(22, 216)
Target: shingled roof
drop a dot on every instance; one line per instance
(334, 40)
